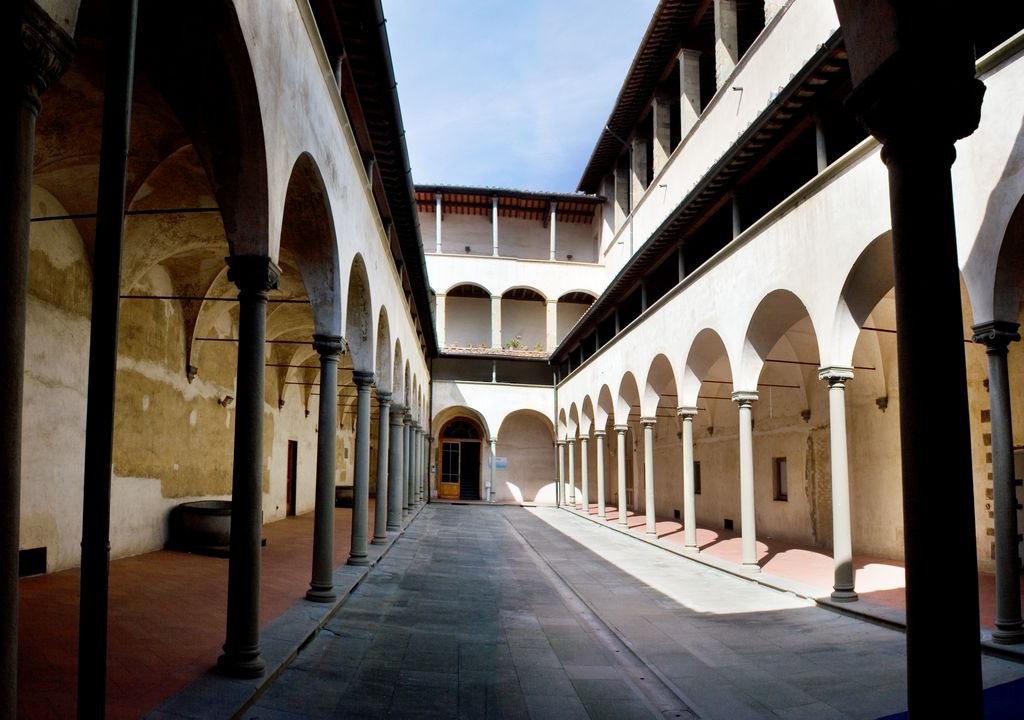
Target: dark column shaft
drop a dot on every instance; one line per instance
(99, 419)
(254, 276)
(938, 499)
(395, 453)
(1009, 626)
(30, 68)
(321, 585)
(361, 485)
(380, 517)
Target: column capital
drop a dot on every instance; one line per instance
(44, 51)
(996, 335)
(648, 421)
(253, 273)
(362, 378)
(621, 429)
(744, 397)
(835, 374)
(383, 397)
(328, 346)
(687, 412)
(904, 104)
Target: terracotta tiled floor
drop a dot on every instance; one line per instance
(166, 622)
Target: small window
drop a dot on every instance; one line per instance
(780, 478)
(696, 478)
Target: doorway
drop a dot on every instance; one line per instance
(460, 461)
(293, 471)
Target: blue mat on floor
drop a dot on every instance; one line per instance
(1002, 702)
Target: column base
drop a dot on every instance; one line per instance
(844, 595)
(321, 595)
(361, 561)
(379, 541)
(1008, 636)
(244, 665)
(750, 568)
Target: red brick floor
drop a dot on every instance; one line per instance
(876, 579)
(166, 621)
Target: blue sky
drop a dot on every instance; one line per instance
(509, 94)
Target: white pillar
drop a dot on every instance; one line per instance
(561, 471)
(437, 222)
(491, 492)
(495, 321)
(571, 449)
(584, 474)
(494, 226)
(599, 456)
(689, 491)
(638, 171)
(620, 439)
(652, 523)
(553, 220)
(551, 327)
(689, 90)
(842, 537)
(748, 530)
(440, 318)
(727, 47)
(662, 122)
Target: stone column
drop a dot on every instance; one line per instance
(620, 439)
(439, 318)
(996, 336)
(689, 491)
(842, 536)
(917, 106)
(380, 510)
(494, 226)
(321, 584)
(35, 52)
(491, 491)
(660, 112)
(652, 523)
(254, 276)
(584, 474)
(571, 443)
(599, 450)
(727, 47)
(553, 219)
(561, 471)
(689, 90)
(361, 483)
(396, 484)
(437, 230)
(495, 321)
(407, 463)
(551, 326)
(745, 401)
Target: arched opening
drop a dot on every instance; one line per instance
(467, 317)
(571, 307)
(525, 467)
(523, 319)
(461, 452)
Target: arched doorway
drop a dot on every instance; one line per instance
(460, 460)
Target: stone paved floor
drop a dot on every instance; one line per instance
(504, 612)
